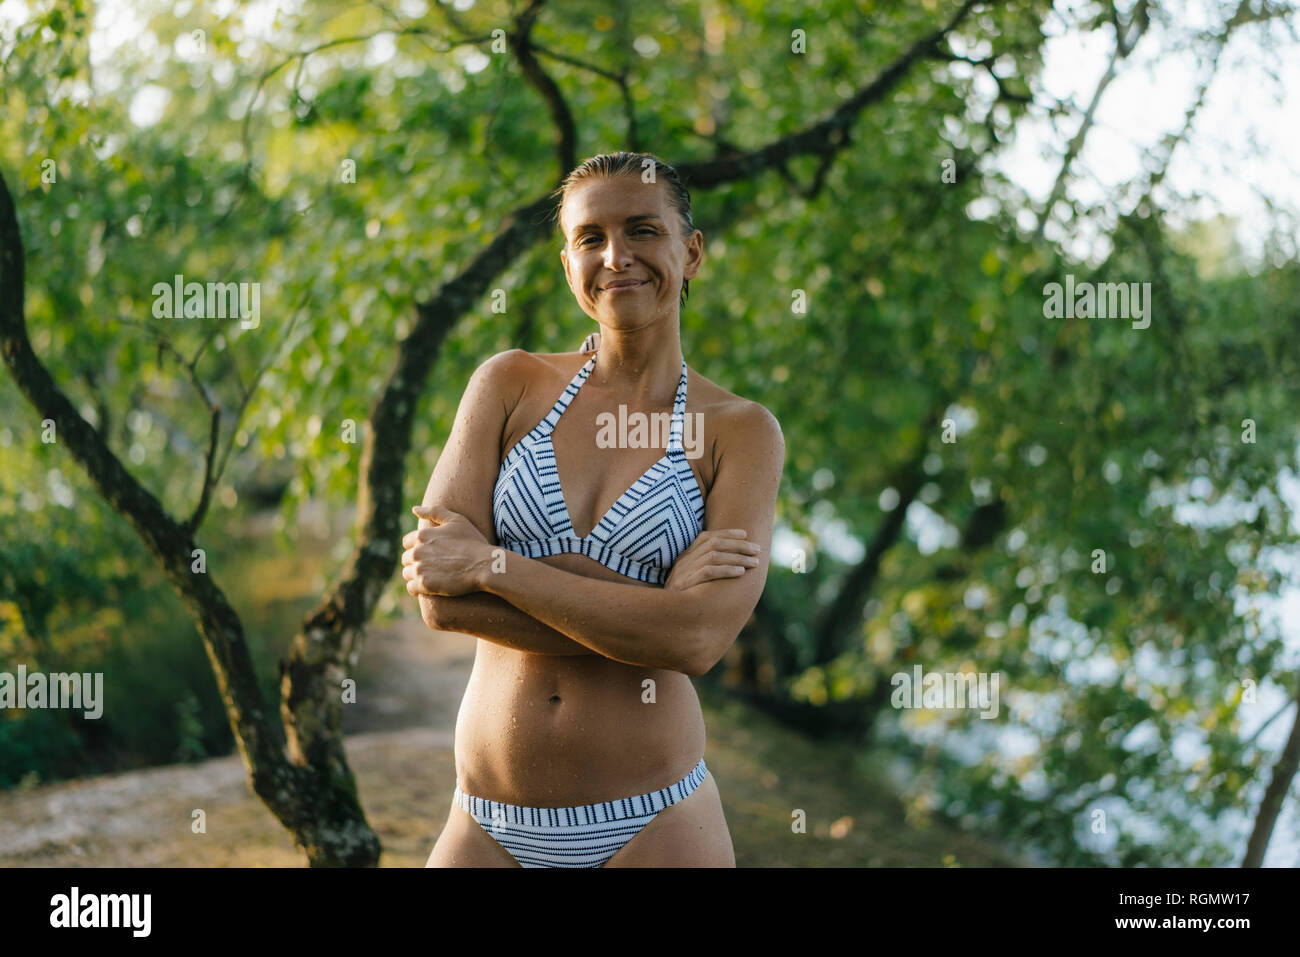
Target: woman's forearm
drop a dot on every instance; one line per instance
(496, 620)
(647, 627)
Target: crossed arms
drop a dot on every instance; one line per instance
(686, 626)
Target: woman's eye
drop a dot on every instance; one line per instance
(643, 229)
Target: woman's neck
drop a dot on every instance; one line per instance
(643, 363)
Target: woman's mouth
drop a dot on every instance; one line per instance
(625, 288)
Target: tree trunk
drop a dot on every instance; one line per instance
(318, 805)
(1271, 806)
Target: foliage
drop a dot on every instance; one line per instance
(924, 297)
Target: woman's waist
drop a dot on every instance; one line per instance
(559, 739)
(579, 704)
(592, 680)
(567, 780)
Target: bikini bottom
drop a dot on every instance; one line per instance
(584, 836)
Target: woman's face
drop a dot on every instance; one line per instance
(619, 230)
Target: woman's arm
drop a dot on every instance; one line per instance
(489, 617)
(713, 555)
(463, 481)
(687, 631)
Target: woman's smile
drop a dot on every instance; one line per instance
(625, 286)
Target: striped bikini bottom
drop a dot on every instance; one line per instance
(584, 836)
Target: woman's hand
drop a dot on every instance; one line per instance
(723, 553)
(445, 557)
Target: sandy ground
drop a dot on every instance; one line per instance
(400, 745)
(399, 737)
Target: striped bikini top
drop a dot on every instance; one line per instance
(641, 536)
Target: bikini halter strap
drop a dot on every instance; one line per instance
(679, 404)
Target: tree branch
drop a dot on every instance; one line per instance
(986, 64)
(1286, 706)
(828, 134)
(214, 409)
(566, 142)
(165, 538)
(1125, 41)
(317, 805)
(247, 394)
(1271, 805)
(819, 178)
(618, 78)
(847, 607)
(201, 509)
(301, 56)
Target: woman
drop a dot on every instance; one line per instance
(576, 551)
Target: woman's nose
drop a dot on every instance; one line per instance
(616, 253)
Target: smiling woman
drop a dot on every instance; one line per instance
(580, 738)
(671, 205)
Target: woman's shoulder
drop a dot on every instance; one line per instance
(712, 399)
(733, 419)
(509, 376)
(519, 367)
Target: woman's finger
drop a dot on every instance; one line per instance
(714, 572)
(435, 513)
(709, 573)
(733, 558)
(734, 545)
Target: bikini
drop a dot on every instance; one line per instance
(640, 537)
(584, 836)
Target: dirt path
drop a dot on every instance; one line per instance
(399, 737)
(399, 741)
(409, 677)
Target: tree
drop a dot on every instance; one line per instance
(309, 786)
(890, 317)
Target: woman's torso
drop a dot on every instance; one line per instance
(560, 730)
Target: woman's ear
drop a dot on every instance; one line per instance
(694, 255)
